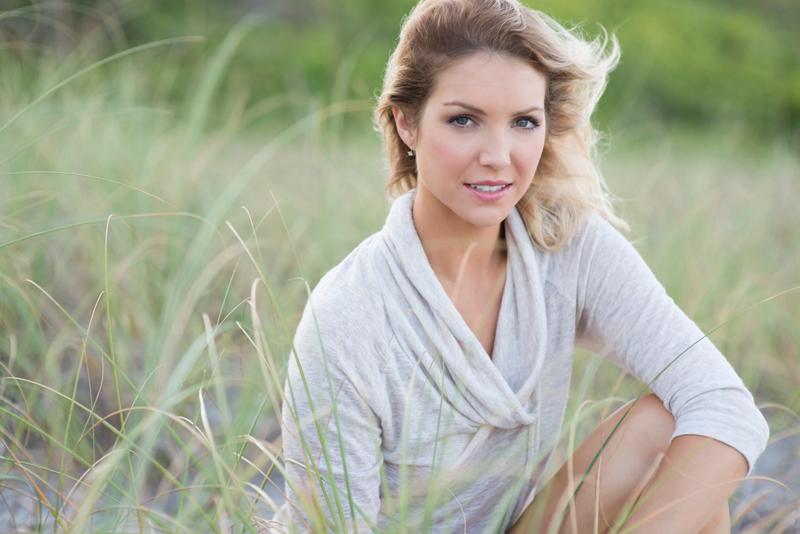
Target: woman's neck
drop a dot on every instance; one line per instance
(452, 245)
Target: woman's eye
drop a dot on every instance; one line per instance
(528, 123)
(461, 120)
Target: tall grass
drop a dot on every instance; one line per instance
(152, 269)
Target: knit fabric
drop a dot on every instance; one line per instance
(403, 411)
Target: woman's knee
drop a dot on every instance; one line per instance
(642, 435)
(652, 420)
(652, 407)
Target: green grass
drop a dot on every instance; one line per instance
(152, 269)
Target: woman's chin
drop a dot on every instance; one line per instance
(483, 217)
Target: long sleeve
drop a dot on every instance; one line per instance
(346, 463)
(624, 313)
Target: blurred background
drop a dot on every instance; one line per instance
(726, 64)
(175, 177)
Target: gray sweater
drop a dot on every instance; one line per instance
(402, 410)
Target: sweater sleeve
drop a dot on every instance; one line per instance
(331, 435)
(625, 313)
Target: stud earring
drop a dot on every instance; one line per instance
(410, 152)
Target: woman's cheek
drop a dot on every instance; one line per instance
(450, 154)
(533, 156)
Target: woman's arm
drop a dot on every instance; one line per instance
(625, 313)
(693, 481)
(331, 435)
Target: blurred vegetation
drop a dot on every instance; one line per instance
(162, 209)
(685, 63)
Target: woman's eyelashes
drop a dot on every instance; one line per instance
(460, 120)
(525, 123)
(533, 123)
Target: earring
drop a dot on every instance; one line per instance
(410, 152)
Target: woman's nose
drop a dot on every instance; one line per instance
(496, 151)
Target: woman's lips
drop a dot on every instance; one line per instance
(488, 196)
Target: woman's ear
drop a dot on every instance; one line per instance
(407, 133)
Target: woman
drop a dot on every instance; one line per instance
(431, 367)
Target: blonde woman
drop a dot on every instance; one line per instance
(430, 371)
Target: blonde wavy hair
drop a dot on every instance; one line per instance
(567, 185)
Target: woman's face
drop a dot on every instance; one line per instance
(484, 121)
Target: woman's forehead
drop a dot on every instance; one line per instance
(492, 80)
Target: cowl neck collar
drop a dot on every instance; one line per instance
(430, 329)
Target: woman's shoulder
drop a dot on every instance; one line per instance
(353, 278)
(347, 299)
(593, 231)
(343, 319)
(595, 240)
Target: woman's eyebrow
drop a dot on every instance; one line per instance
(479, 111)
